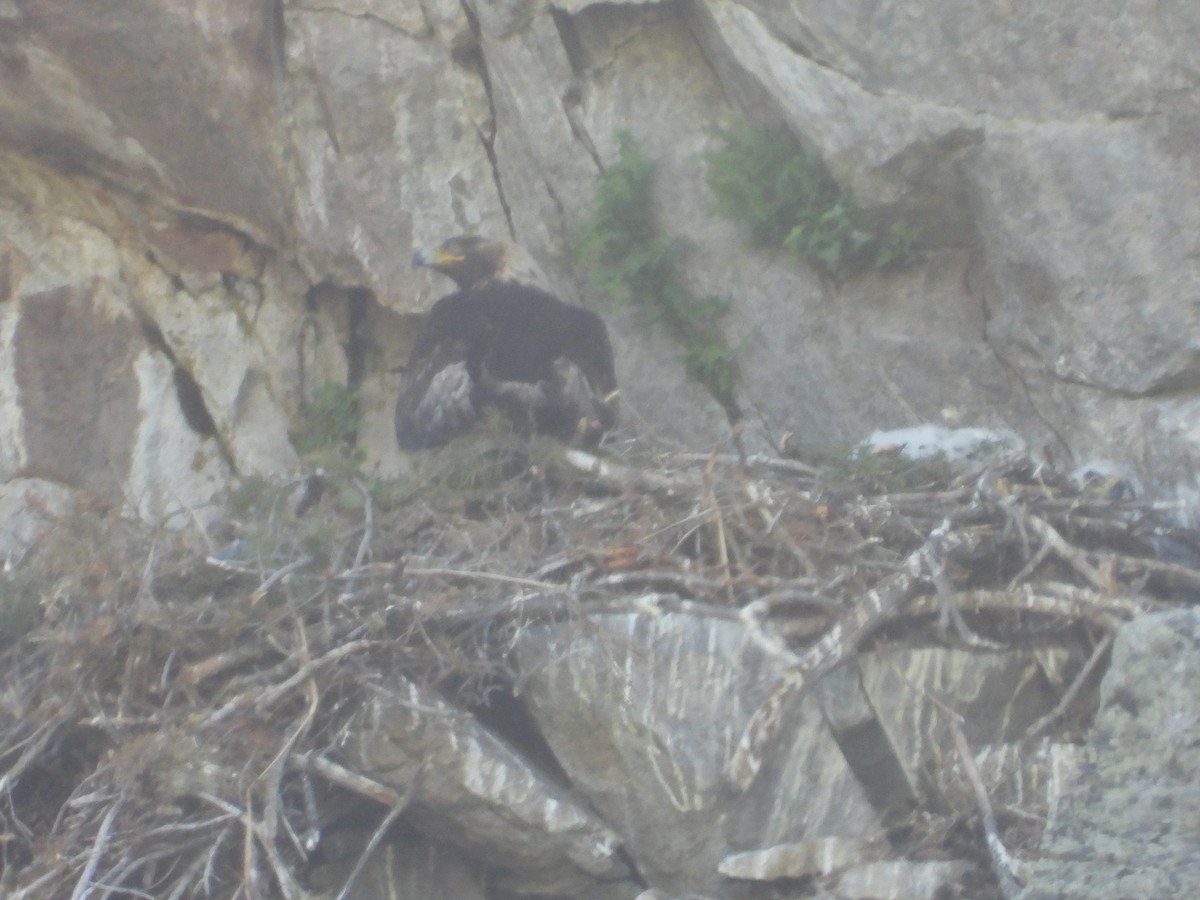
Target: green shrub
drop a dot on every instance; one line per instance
(787, 197)
(630, 259)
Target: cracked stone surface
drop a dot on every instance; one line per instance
(235, 173)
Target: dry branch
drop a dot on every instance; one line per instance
(810, 569)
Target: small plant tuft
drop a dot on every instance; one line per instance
(785, 194)
(629, 258)
(328, 427)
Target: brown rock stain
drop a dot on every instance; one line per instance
(78, 392)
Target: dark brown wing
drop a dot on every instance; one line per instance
(550, 371)
(438, 399)
(547, 365)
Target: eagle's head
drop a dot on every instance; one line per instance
(471, 260)
(467, 259)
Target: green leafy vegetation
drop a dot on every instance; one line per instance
(788, 199)
(629, 258)
(328, 428)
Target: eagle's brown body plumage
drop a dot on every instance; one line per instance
(496, 342)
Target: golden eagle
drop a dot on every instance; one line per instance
(499, 341)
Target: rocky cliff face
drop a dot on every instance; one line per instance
(208, 209)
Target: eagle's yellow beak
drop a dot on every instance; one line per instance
(437, 258)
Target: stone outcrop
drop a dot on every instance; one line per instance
(246, 182)
(1113, 829)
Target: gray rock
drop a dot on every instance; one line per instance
(1122, 822)
(476, 792)
(643, 714)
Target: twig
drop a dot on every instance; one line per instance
(393, 814)
(34, 889)
(948, 611)
(306, 671)
(276, 576)
(1066, 552)
(842, 638)
(753, 460)
(722, 543)
(485, 576)
(682, 582)
(1002, 863)
(120, 873)
(272, 776)
(364, 546)
(288, 885)
(210, 862)
(1043, 724)
(84, 885)
(182, 882)
(249, 866)
(624, 478)
(1180, 575)
(194, 673)
(1030, 565)
(370, 570)
(350, 780)
(1066, 601)
(266, 698)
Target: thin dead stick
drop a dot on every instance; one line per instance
(486, 576)
(722, 542)
(84, 885)
(843, 638)
(277, 576)
(34, 889)
(145, 593)
(1034, 561)
(194, 673)
(1043, 724)
(378, 835)
(1002, 862)
(1066, 552)
(681, 582)
(753, 460)
(266, 698)
(364, 546)
(1180, 575)
(210, 862)
(272, 775)
(222, 804)
(286, 880)
(370, 570)
(182, 883)
(306, 671)
(625, 477)
(144, 863)
(557, 604)
(347, 778)
(1066, 601)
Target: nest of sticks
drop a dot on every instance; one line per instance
(170, 697)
